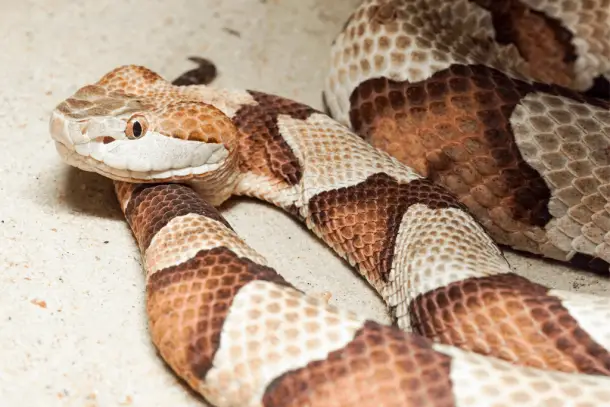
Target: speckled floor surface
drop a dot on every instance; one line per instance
(72, 324)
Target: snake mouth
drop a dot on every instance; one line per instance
(154, 158)
(90, 164)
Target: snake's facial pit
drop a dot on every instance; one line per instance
(129, 149)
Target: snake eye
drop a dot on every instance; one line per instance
(137, 126)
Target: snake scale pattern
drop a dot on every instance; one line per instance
(452, 130)
(462, 92)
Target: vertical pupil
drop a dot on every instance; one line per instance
(137, 129)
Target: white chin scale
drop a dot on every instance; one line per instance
(152, 157)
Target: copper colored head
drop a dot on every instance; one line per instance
(134, 126)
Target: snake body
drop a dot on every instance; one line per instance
(481, 97)
(241, 335)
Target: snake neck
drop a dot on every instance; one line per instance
(270, 190)
(218, 186)
(241, 176)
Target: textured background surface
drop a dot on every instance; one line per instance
(72, 325)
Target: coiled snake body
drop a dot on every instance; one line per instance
(460, 108)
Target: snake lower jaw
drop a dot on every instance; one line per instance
(87, 163)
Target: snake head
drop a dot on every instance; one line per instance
(134, 126)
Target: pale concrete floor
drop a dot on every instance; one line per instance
(72, 324)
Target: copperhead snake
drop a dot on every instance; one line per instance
(486, 145)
